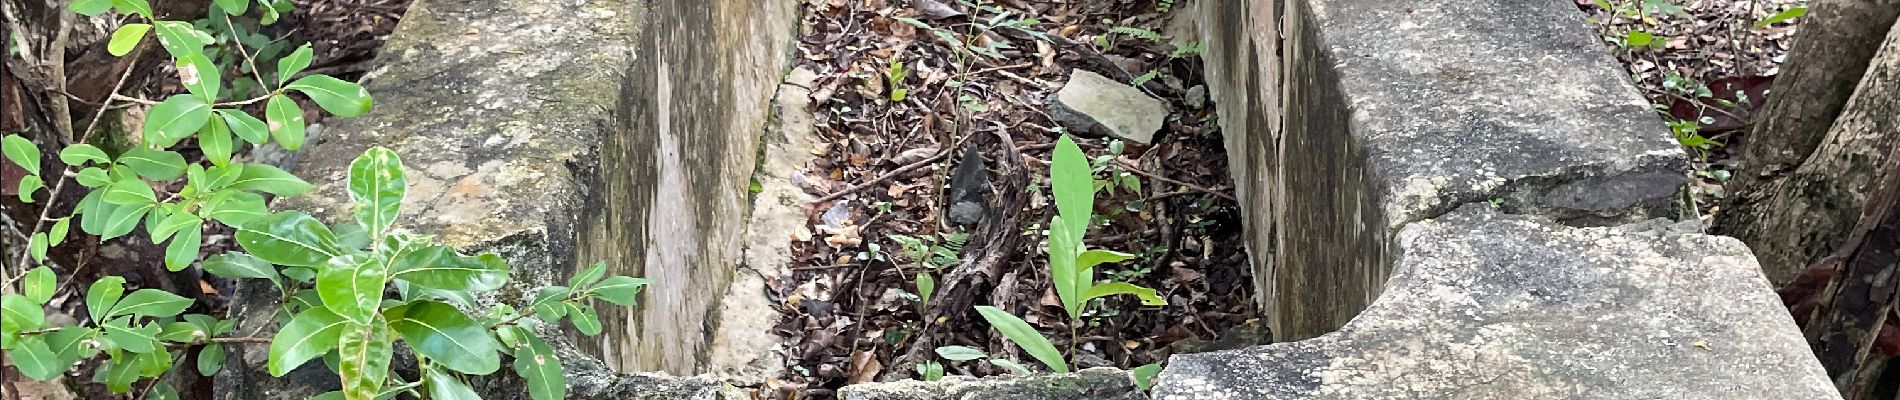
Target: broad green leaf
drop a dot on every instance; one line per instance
(90, 8)
(535, 362)
(215, 140)
(1091, 258)
(45, 356)
(234, 208)
(211, 359)
(285, 120)
(157, 165)
(308, 335)
(547, 303)
(584, 317)
(926, 286)
(175, 119)
(21, 152)
(79, 154)
(179, 38)
(439, 267)
(1145, 375)
(1067, 280)
(349, 235)
(123, 219)
(20, 313)
(150, 303)
(288, 238)
(36, 247)
(1791, 13)
(245, 126)
(344, 98)
(1639, 38)
(269, 179)
(136, 339)
(154, 363)
(200, 76)
(221, 176)
(960, 353)
(28, 185)
(234, 8)
(1073, 186)
(184, 248)
(376, 187)
(1147, 296)
(92, 177)
(589, 276)
(236, 265)
(1011, 365)
(443, 386)
(35, 359)
(102, 295)
(130, 191)
(58, 233)
(139, 7)
(622, 290)
(40, 283)
(352, 286)
(182, 332)
(291, 64)
(442, 333)
(332, 395)
(172, 224)
(162, 392)
(364, 352)
(120, 372)
(1025, 336)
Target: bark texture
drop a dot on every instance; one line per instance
(1805, 177)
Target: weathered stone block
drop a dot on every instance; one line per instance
(561, 133)
(1484, 305)
(1093, 383)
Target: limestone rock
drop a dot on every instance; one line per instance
(1093, 104)
(1093, 384)
(1485, 305)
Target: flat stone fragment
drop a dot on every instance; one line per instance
(1485, 305)
(1092, 384)
(1093, 104)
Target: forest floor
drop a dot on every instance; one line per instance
(1705, 64)
(975, 73)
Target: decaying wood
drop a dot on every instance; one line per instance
(994, 242)
(1783, 203)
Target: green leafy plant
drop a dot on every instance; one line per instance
(932, 254)
(353, 291)
(894, 78)
(1783, 16)
(1071, 263)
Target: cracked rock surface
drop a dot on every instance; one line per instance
(1490, 305)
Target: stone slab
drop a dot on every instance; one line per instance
(1092, 383)
(1485, 305)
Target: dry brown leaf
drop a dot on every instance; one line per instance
(864, 367)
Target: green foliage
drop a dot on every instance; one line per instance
(355, 291)
(1145, 375)
(1783, 16)
(894, 78)
(1071, 263)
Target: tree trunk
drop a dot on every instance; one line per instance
(1838, 207)
(1790, 212)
